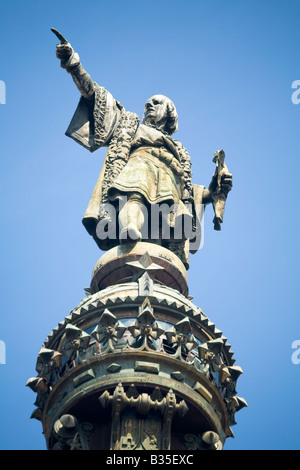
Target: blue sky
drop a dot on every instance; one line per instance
(229, 66)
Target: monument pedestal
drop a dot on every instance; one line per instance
(136, 365)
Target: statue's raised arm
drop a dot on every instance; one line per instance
(69, 60)
(98, 113)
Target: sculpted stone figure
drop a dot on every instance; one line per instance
(144, 169)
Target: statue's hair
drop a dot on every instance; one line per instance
(172, 121)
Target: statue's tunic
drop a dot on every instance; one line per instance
(139, 159)
(153, 169)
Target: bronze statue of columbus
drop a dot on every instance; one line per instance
(144, 167)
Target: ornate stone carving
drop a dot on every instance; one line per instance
(234, 404)
(144, 272)
(228, 388)
(141, 421)
(109, 331)
(211, 362)
(144, 264)
(70, 434)
(40, 386)
(145, 330)
(209, 440)
(74, 345)
(48, 365)
(180, 338)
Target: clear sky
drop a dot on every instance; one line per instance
(229, 66)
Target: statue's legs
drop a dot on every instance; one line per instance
(131, 218)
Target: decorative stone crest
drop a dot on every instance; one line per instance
(109, 331)
(145, 330)
(141, 421)
(180, 338)
(74, 345)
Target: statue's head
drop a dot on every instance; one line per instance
(161, 113)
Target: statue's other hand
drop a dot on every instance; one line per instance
(226, 183)
(64, 51)
(216, 188)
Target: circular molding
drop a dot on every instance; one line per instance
(115, 266)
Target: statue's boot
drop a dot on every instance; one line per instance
(130, 232)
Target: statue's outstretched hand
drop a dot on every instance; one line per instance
(70, 61)
(64, 51)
